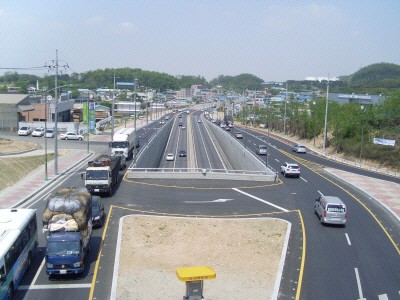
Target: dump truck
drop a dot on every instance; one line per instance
(124, 142)
(102, 174)
(67, 220)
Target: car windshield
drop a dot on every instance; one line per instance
(294, 167)
(119, 144)
(263, 147)
(95, 209)
(61, 248)
(97, 174)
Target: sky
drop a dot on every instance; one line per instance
(273, 40)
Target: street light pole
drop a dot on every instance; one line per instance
(56, 119)
(315, 123)
(326, 116)
(362, 132)
(46, 176)
(112, 112)
(284, 119)
(88, 121)
(134, 100)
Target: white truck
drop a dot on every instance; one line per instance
(102, 174)
(124, 142)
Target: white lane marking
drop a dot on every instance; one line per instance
(383, 297)
(348, 239)
(210, 201)
(38, 271)
(277, 160)
(55, 286)
(360, 293)
(320, 193)
(259, 199)
(303, 179)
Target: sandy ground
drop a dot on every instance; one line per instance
(244, 253)
(10, 146)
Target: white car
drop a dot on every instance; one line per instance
(170, 157)
(38, 132)
(71, 136)
(25, 130)
(290, 169)
(238, 135)
(49, 133)
(299, 148)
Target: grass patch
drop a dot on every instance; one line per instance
(14, 169)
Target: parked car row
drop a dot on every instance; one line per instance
(48, 133)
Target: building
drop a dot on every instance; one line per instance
(12, 107)
(356, 98)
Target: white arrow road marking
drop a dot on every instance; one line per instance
(211, 201)
(261, 200)
(383, 297)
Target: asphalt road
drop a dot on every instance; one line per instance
(323, 262)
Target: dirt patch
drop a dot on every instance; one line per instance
(10, 147)
(244, 253)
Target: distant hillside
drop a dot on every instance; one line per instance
(382, 75)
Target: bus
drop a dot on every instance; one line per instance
(18, 245)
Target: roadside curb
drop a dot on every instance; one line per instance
(55, 179)
(34, 184)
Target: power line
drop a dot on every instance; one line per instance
(26, 68)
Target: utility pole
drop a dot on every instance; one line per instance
(55, 66)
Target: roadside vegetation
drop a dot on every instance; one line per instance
(351, 127)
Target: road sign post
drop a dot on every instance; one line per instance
(194, 277)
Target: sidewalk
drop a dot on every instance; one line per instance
(35, 181)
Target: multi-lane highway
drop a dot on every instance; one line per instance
(358, 261)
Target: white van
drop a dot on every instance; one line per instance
(330, 210)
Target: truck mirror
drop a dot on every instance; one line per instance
(83, 175)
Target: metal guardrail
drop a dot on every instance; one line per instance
(197, 173)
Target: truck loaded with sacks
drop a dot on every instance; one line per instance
(102, 175)
(67, 220)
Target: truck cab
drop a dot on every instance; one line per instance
(65, 253)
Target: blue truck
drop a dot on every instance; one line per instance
(68, 221)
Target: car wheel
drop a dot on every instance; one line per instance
(66, 138)
(284, 173)
(321, 219)
(80, 139)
